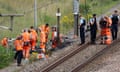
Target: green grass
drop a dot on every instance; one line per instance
(100, 6)
(6, 58)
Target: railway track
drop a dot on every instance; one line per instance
(51, 67)
(81, 65)
(65, 58)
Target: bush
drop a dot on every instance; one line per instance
(67, 23)
(84, 9)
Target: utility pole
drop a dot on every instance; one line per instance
(76, 15)
(35, 14)
(58, 14)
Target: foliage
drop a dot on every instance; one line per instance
(67, 23)
(85, 8)
(5, 58)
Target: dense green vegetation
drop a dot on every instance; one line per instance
(46, 14)
(6, 57)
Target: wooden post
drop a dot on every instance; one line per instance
(11, 26)
(58, 14)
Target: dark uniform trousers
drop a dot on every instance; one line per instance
(93, 32)
(114, 30)
(82, 34)
(19, 56)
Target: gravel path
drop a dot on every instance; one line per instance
(81, 57)
(78, 58)
(108, 62)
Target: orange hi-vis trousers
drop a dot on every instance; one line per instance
(43, 46)
(33, 44)
(26, 51)
(106, 33)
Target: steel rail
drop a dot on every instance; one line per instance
(64, 58)
(81, 65)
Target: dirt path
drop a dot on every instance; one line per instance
(14, 68)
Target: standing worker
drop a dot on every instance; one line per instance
(33, 38)
(114, 27)
(19, 50)
(105, 24)
(26, 44)
(82, 24)
(93, 29)
(46, 29)
(42, 39)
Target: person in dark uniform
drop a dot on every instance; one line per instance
(93, 29)
(82, 23)
(114, 28)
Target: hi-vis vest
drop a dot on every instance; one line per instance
(33, 34)
(18, 45)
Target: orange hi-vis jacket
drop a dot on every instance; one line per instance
(46, 30)
(4, 42)
(33, 34)
(107, 30)
(25, 36)
(18, 45)
(42, 38)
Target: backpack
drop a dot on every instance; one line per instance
(115, 19)
(103, 24)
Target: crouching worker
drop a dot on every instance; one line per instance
(19, 50)
(105, 24)
(4, 42)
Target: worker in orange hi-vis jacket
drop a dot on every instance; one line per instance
(54, 38)
(42, 39)
(46, 30)
(105, 24)
(26, 44)
(33, 37)
(4, 42)
(19, 50)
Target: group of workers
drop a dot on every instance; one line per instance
(108, 28)
(27, 41)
